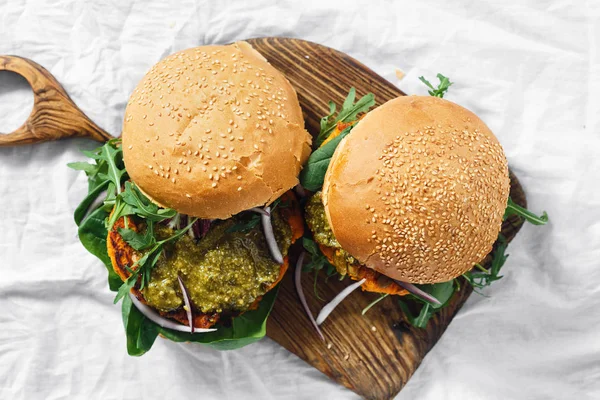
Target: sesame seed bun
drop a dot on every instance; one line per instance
(417, 190)
(214, 130)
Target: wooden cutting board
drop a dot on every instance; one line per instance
(373, 355)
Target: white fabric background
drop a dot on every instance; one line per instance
(530, 69)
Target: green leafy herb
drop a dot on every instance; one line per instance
(483, 277)
(513, 208)
(92, 234)
(142, 269)
(245, 225)
(441, 291)
(313, 173)
(348, 113)
(139, 241)
(133, 202)
(317, 262)
(367, 308)
(141, 332)
(113, 155)
(442, 88)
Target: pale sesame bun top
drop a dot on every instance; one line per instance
(417, 190)
(214, 130)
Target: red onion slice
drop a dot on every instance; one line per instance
(204, 226)
(329, 307)
(187, 302)
(164, 322)
(270, 236)
(300, 190)
(174, 222)
(260, 210)
(418, 292)
(297, 276)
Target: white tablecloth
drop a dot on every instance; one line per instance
(530, 69)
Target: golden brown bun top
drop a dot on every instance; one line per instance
(417, 190)
(214, 130)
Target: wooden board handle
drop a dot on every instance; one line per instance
(54, 115)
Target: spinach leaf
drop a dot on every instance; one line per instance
(313, 173)
(83, 207)
(92, 234)
(441, 291)
(140, 331)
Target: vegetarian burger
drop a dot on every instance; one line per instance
(201, 215)
(414, 194)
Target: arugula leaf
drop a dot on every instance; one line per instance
(441, 291)
(367, 308)
(143, 267)
(483, 277)
(313, 173)
(318, 261)
(442, 88)
(245, 226)
(513, 208)
(348, 113)
(131, 201)
(83, 166)
(142, 206)
(113, 155)
(139, 241)
(125, 288)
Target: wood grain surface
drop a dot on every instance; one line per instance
(54, 115)
(373, 355)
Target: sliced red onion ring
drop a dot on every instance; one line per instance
(164, 322)
(187, 302)
(418, 292)
(297, 276)
(98, 201)
(329, 307)
(300, 190)
(183, 221)
(204, 225)
(270, 236)
(261, 211)
(174, 222)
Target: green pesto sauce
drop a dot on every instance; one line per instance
(224, 271)
(317, 222)
(322, 233)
